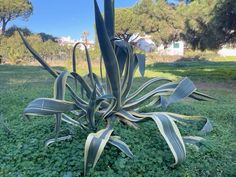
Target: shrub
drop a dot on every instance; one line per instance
(110, 98)
(13, 51)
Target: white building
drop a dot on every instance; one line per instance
(174, 48)
(71, 42)
(227, 51)
(145, 43)
(67, 41)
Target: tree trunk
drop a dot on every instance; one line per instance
(4, 24)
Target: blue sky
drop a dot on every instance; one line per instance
(64, 17)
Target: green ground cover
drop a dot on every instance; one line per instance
(23, 153)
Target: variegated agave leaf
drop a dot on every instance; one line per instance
(38, 57)
(48, 106)
(109, 57)
(95, 145)
(115, 141)
(59, 93)
(88, 59)
(172, 136)
(168, 129)
(53, 140)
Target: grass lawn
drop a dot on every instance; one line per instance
(23, 154)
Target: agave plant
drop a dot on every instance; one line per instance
(110, 99)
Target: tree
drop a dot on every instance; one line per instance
(196, 15)
(126, 20)
(209, 24)
(222, 24)
(156, 18)
(46, 37)
(159, 19)
(84, 37)
(11, 9)
(11, 31)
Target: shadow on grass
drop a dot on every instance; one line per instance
(199, 69)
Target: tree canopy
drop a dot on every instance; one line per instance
(221, 28)
(157, 18)
(203, 24)
(11, 9)
(125, 20)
